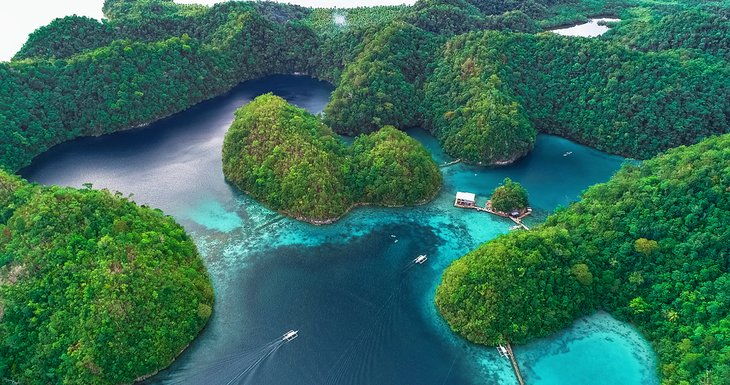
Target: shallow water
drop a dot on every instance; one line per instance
(589, 29)
(365, 313)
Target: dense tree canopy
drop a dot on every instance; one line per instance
(509, 196)
(399, 66)
(382, 86)
(592, 91)
(391, 168)
(288, 159)
(93, 288)
(650, 246)
(694, 29)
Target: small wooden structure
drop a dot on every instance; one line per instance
(465, 199)
(516, 367)
(468, 201)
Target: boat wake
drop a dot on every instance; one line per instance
(239, 364)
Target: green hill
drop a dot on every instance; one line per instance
(288, 159)
(93, 288)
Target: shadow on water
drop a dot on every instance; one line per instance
(364, 312)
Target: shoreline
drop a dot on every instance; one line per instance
(329, 221)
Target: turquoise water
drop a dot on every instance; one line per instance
(596, 350)
(365, 312)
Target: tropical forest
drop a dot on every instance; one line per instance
(259, 192)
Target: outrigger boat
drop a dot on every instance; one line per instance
(420, 259)
(503, 351)
(290, 335)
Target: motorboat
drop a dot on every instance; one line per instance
(290, 335)
(420, 259)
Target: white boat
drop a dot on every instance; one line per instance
(502, 351)
(290, 335)
(420, 259)
(568, 153)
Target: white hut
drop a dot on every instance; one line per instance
(465, 199)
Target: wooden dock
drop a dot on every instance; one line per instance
(516, 220)
(516, 367)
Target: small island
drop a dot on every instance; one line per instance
(509, 198)
(289, 160)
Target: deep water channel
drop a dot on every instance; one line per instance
(365, 314)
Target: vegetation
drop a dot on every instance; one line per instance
(695, 30)
(399, 66)
(93, 288)
(509, 197)
(650, 246)
(287, 158)
(390, 168)
(592, 91)
(87, 278)
(381, 86)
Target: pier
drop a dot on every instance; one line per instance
(516, 367)
(468, 201)
(516, 219)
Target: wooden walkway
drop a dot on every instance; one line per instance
(516, 220)
(516, 367)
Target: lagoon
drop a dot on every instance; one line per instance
(364, 312)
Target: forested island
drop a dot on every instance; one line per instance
(650, 246)
(87, 277)
(93, 288)
(288, 159)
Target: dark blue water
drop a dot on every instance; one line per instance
(365, 313)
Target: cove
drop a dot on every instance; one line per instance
(364, 312)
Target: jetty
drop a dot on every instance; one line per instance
(467, 200)
(518, 374)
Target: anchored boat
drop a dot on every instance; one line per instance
(290, 335)
(503, 351)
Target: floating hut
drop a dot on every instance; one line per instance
(465, 199)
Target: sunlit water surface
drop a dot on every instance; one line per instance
(364, 312)
(592, 28)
